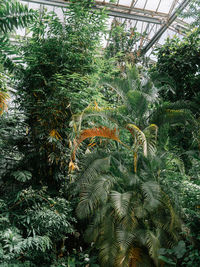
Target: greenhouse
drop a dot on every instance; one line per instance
(99, 133)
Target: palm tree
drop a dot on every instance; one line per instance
(139, 111)
(137, 98)
(130, 217)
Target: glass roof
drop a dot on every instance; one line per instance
(158, 18)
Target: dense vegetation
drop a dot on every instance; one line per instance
(100, 156)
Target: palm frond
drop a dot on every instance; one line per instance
(151, 134)
(125, 239)
(139, 137)
(96, 132)
(153, 244)
(173, 222)
(120, 203)
(91, 172)
(100, 132)
(133, 77)
(173, 113)
(151, 192)
(134, 256)
(93, 194)
(107, 253)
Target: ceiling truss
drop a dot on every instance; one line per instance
(171, 19)
(163, 21)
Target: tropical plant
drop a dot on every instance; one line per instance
(139, 112)
(13, 15)
(130, 217)
(178, 59)
(3, 93)
(124, 43)
(53, 82)
(118, 198)
(40, 221)
(193, 13)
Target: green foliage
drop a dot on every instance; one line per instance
(120, 205)
(122, 43)
(129, 194)
(22, 176)
(122, 209)
(193, 13)
(180, 255)
(179, 60)
(40, 222)
(13, 15)
(54, 81)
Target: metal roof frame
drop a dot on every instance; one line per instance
(164, 21)
(171, 19)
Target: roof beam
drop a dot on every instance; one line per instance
(133, 17)
(171, 19)
(48, 2)
(114, 13)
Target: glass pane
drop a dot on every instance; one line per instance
(125, 2)
(59, 12)
(140, 4)
(152, 5)
(165, 6)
